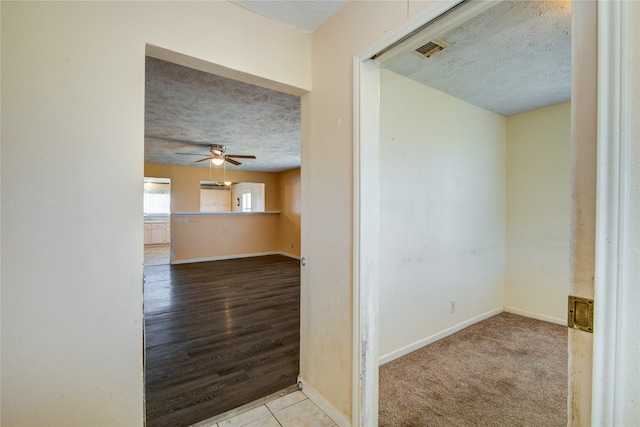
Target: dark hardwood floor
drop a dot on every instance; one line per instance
(219, 335)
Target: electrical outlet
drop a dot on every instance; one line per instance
(452, 307)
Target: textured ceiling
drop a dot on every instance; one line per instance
(513, 58)
(303, 15)
(187, 110)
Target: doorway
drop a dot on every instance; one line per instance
(242, 339)
(157, 225)
(480, 220)
(368, 200)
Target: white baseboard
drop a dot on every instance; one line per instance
(524, 313)
(385, 358)
(219, 258)
(289, 255)
(323, 404)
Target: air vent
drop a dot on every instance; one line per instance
(431, 48)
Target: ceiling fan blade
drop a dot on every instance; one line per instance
(206, 158)
(239, 156)
(191, 154)
(233, 162)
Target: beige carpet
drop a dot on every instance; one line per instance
(507, 370)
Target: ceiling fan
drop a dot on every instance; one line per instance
(218, 156)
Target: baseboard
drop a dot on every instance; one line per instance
(219, 258)
(288, 255)
(323, 404)
(386, 358)
(542, 317)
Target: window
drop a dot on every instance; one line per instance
(157, 196)
(246, 200)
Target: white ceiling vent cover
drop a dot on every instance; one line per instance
(431, 48)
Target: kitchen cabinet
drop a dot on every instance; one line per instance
(215, 200)
(157, 233)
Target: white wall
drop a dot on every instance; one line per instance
(538, 207)
(442, 217)
(616, 349)
(257, 196)
(73, 118)
(441, 199)
(628, 391)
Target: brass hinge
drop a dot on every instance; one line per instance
(580, 313)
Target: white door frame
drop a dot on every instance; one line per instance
(612, 355)
(366, 275)
(613, 177)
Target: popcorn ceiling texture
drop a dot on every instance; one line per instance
(513, 58)
(183, 104)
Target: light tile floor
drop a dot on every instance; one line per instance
(156, 254)
(292, 410)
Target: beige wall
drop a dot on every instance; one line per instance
(205, 237)
(442, 206)
(234, 237)
(326, 363)
(289, 207)
(72, 246)
(185, 184)
(538, 207)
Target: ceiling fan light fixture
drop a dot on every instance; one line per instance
(217, 161)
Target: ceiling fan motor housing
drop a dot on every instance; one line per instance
(217, 149)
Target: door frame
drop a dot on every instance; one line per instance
(196, 63)
(613, 181)
(366, 214)
(612, 356)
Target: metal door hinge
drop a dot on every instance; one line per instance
(580, 314)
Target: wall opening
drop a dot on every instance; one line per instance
(263, 224)
(369, 216)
